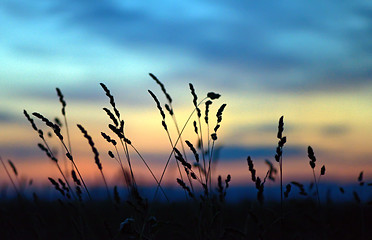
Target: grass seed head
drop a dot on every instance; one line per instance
(162, 88)
(207, 104)
(74, 177)
(213, 95)
(322, 170)
(33, 125)
(62, 101)
(91, 143)
(192, 148)
(157, 104)
(251, 169)
(111, 116)
(13, 167)
(112, 100)
(287, 190)
(280, 128)
(195, 127)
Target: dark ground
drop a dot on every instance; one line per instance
(27, 219)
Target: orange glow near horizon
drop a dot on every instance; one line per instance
(339, 133)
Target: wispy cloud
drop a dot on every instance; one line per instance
(7, 117)
(228, 153)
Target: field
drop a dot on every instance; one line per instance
(77, 212)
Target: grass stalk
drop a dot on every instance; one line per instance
(172, 152)
(10, 177)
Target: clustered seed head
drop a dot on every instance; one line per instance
(219, 119)
(282, 140)
(287, 190)
(91, 143)
(192, 148)
(30, 120)
(219, 113)
(108, 138)
(251, 168)
(44, 149)
(111, 116)
(111, 154)
(195, 127)
(64, 188)
(280, 127)
(56, 186)
(162, 87)
(272, 170)
(157, 104)
(74, 177)
(169, 109)
(69, 156)
(58, 122)
(360, 179)
(213, 95)
(301, 187)
(310, 154)
(164, 125)
(322, 170)
(180, 158)
(227, 181)
(185, 187)
(55, 127)
(207, 104)
(61, 99)
(119, 131)
(112, 100)
(13, 167)
(195, 99)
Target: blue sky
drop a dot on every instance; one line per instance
(270, 45)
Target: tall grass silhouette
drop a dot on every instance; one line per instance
(203, 214)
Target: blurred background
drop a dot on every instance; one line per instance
(310, 62)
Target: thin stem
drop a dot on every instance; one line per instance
(125, 148)
(209, 173)
(202, 149)
(69, 187)
(107, 189)
(82, 180)
(148, 167)
(317, 190)
(170, 155)
(77, 170)
(58, 166)
(68, 136)
(11, 179)
(121, 166)
(281, 186)
(182, 146)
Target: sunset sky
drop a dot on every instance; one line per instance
(308, 61)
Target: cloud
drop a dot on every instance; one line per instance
(227, 153)
(282, 46)
(7, 117)
(91, 92)
(21, 152)
(335, 130)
